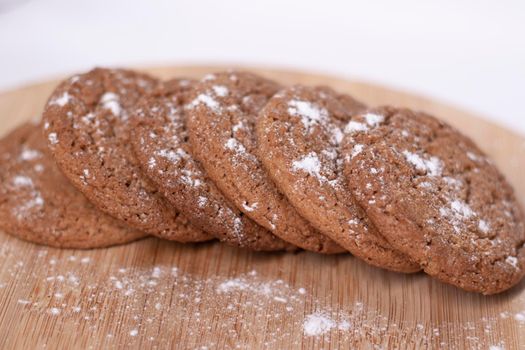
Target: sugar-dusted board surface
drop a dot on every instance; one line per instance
(157, 294)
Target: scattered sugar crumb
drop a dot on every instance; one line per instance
(344, 325)
(462, 208)
(309, 112)
(496, 347)
(310, 164)
(317, 324)
(62, 100)
(156, 272)
(29, 154)
(110, 101)
(273, 300)
(202, 201)
(357, 149)
(234, 145)
(220, 90)
(520, 317)
(512, 260)
(432, 166)
(21, 181)
(354, 127)
(54, 311)
(205, 99)
(373, 119)
(53, 138)
(249, 207)
(472, 156)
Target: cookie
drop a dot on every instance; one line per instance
(436, 197)
(221, 116)
(161, 143)
(38, 204)
(299, 132)
(86, 124)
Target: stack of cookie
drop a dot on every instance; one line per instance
(120, 155)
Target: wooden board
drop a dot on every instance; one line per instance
(157, 294)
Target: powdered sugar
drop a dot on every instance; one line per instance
(457, 212)
(496, 347)
(220, 90)
(149, 301)
(53, 138)
(318, 324)
(310, 164)
(239, 126)
(336, 136)
(483, 226)
(201, 202)
(54, 311)
(473, 156)
(30, 198)
(462, 209)
(152, 162)
(249, 207)
(205, 99)
(356, 150)
(61, 100)
(234, 145)
(172, 155)
(354, 127)
(29, 154)
(21, 180)
(373, 119)
(431, 165)
(512, 261)
(309, 112)
(238, 227)
(111, 101)
(209, 77)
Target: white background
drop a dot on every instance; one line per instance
(469, 53)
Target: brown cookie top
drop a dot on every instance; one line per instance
(221, 118)
(436, 197)
(161, 143)
(86, 124)
(299, 132)
(38, 204)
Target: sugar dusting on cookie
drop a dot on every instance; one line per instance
(437, 179)
(309, 112)
(111, 101)
(30, 198)
(61, 100)
(431, 165)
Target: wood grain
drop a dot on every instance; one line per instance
(156, 294)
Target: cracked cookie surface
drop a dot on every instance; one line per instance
(162, 146)
(436, 197)
(299, 132)
(38, 204)
(86, 124)
(221, 116)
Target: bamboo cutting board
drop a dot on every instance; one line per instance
(157, 294)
